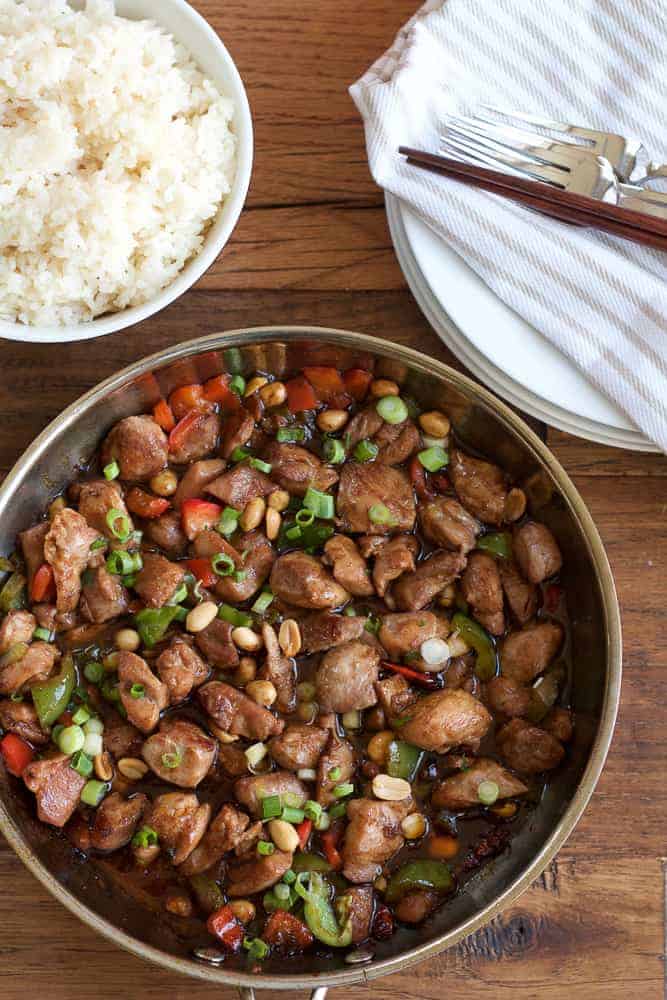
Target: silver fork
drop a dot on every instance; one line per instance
(628, 157)
(572, 168)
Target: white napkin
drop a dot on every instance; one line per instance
(601, 63)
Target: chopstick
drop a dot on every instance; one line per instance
(647, 230)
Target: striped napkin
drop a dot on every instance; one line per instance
(600, 300)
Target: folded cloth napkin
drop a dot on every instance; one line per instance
(600, 300)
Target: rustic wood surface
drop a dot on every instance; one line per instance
(313, 247)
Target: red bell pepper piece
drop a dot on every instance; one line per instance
(357, 381)
(286, 933)
(429, 681)
(202, 569)
(199, 515)
(163, 415)
(186, 398)
(183, 428)
(300, 395)
(419, 480)
(144, 504)
(228, 930)
(16, 753)
(330, 839)
(328, 385)
(304, 830)
(43, 584)
(217, 390)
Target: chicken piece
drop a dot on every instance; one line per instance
(300, 579)
(32, 546)
(507, 697)
(180, 821)
(360, 903)
(251, 790)
(446, 523)
(181, 668)
(372, 836)
(17, 626)
(196, 478)
(232, 760)
(104, 597)
(364, 425)
(286, 934)
(295, 469)
(372, 545)
(346, 677)
(396, 557)
(522, 597)
(527, 748)
(47, 617)
(67, 550)
(166, 532)
(236, 431)
(416, 906)
(558, 722)
(116, 819)
(479, 485)
(482, 589)
(348, 566)
(403, 633)
(536, 551)
(199, 438)
(180, 753)
(396, 697)
(158, 580)
(139, 445)
(223, 834)
(120, 737)
(415, 590)
(324, 629)
(21, 718)
(461, 790)
(257, 558)
(340, 759)
(363, 487)
(460, 673)
(446, 719)
(280, 670)
(248, 839)
(35, 666)
(257, 874)
(134, 673)
(240, 485)
(96, 499)
(528, 652)
(207, 543)
(57, 787)
(237, 714)
(298, 746)
(215, 642)
(396, 442)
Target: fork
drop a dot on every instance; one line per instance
(628, 157)
(572, 168)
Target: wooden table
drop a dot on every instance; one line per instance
(313, 247)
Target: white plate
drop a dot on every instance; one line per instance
(437, 275)
(513, 390)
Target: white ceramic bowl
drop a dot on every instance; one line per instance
(190, 28)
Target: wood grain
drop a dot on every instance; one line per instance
(313, 247)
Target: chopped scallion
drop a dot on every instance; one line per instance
(120, 563)
(291, 815)
(80, 716)
(222, 564)
(239, 454)
(256, 948)
(111, 471)
(333, 451)
(287, 435)
(392, 409)
(43, 634)
(234, 617)
(99, 543)
(229, 521)
(93, 792)
(137, 691)
(82, 763)
(433, 458)
(263, 602)
(365, 451)
(322, 504)
(119, 524)
(145, 837)
(171, 760)
(265, 847)
(379, 513)
(257, 463)
(294, 532)
(313, 810)
(304, 517)
(338, 810)
(342, 791)
(271, 807)
(334, 773)
(237, 384)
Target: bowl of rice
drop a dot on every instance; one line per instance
(125, 158)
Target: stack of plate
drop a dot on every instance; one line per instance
(511, 357)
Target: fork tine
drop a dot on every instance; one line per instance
(564, 129)
(553, 169)
(500, 159)
(509, 134)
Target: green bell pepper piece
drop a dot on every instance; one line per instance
(499, 543)
(330, 926)
(404, 760)
(475, 636)
(208, 893)
(152, 623)
(52, 697)
(423, 874)
(304, 862)
(13, 593)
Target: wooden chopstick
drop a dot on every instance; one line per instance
(647, 230)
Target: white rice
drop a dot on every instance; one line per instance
(115, 155)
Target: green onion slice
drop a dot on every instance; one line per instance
(263, 602)
(265, 847)
(433, 458)
(234, 617)
(229, 521)
(366, 451)
(119, 524)
(321, 504)
(222, 564)
(392, 409)
(288, 435)
(111, 471)
(237, 384)
(333, 451)
(271, 807)
(379, 513)
(257, 463)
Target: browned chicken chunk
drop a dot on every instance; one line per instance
(240, 485)
(558, 722)
(150, 696)
(35, 665)
(298, 746)
(324, 629)
(360, 902)
(300, 579)
(180, 753)
(404, 633)
(507, 697)
(251, 790)
(158, 580)
(96, 499)
(446, 523)
(363, 488)
(104, 597)
(236, 431)
(529, 749)
(236, 713)
(346, 677)
(21, 718)
(338, 759)
(116, 819)
(198, 439)
(446, 719)
(215, 643)
(280, 670)
(522, 596)
(482, 589)
(32, 546)
(257, 558)
(536, 551)
(57, 788)
(415, 590)
(527, 653)
(479, 485)
(396, 442)
(257, 873)
(167, 533)
(16, 626)
(461, 790)
(348, 566)
(396, 557)
(223, 834)
(139, 446)
(180, 821)
(373, 835)
(196, 478)
(295, 469)
(181, 668)
(67, 550)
